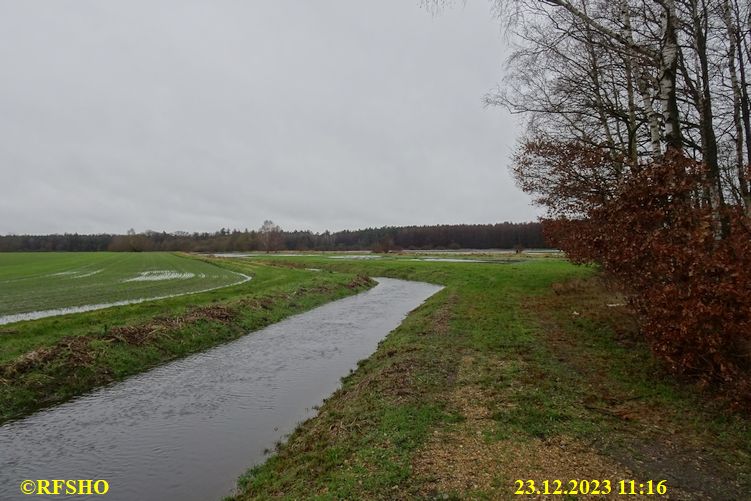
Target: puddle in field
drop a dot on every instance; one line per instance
(188, 429)
(468, 260)
(33, 315)
(355, 256)
(73, 274)
(285, 255)
(89, 274)
(260, 254)
(158, 275)
(450, 260)
(257, 254)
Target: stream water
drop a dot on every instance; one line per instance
(186, 430)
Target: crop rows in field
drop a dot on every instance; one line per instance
(40, 282)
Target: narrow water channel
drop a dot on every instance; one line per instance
(188, 429)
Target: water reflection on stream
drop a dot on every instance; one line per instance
(187, 429)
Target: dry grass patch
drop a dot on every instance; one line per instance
(464, 461)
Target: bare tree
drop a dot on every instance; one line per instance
(270, 236)
(636, 78)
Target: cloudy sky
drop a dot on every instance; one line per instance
(195, 115)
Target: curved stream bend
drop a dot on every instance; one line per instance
(186, 430)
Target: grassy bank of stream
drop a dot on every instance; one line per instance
(521, 371)
(47, 361)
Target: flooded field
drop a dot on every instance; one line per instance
(451, 260)
(33, 315)
(187, 429)
(355, 256)
(37, 285)
(286, 254)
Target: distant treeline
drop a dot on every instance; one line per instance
(272, 238)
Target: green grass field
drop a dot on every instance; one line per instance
(31, 282)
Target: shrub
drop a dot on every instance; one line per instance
(689, 277)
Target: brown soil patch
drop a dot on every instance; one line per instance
(360, 281)
(27, 361)
(458, 462)
(74, 349)
(564, 459)
(441, 321)
(262, 303)
(462, 460)
(459, 459)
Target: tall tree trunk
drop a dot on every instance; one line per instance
(706, 119)
(737, 121)
(633, 153)
(667, 80)
(642, 83)
(745, 105)
(594, 73)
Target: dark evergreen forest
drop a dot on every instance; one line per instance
(388, 238)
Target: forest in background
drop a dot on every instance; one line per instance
(271, 237)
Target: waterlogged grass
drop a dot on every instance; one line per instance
(47, 361)
(499, 377)
(32, 282)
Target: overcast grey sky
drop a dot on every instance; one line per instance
(195, 115)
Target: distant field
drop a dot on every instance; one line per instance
(32, 282)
